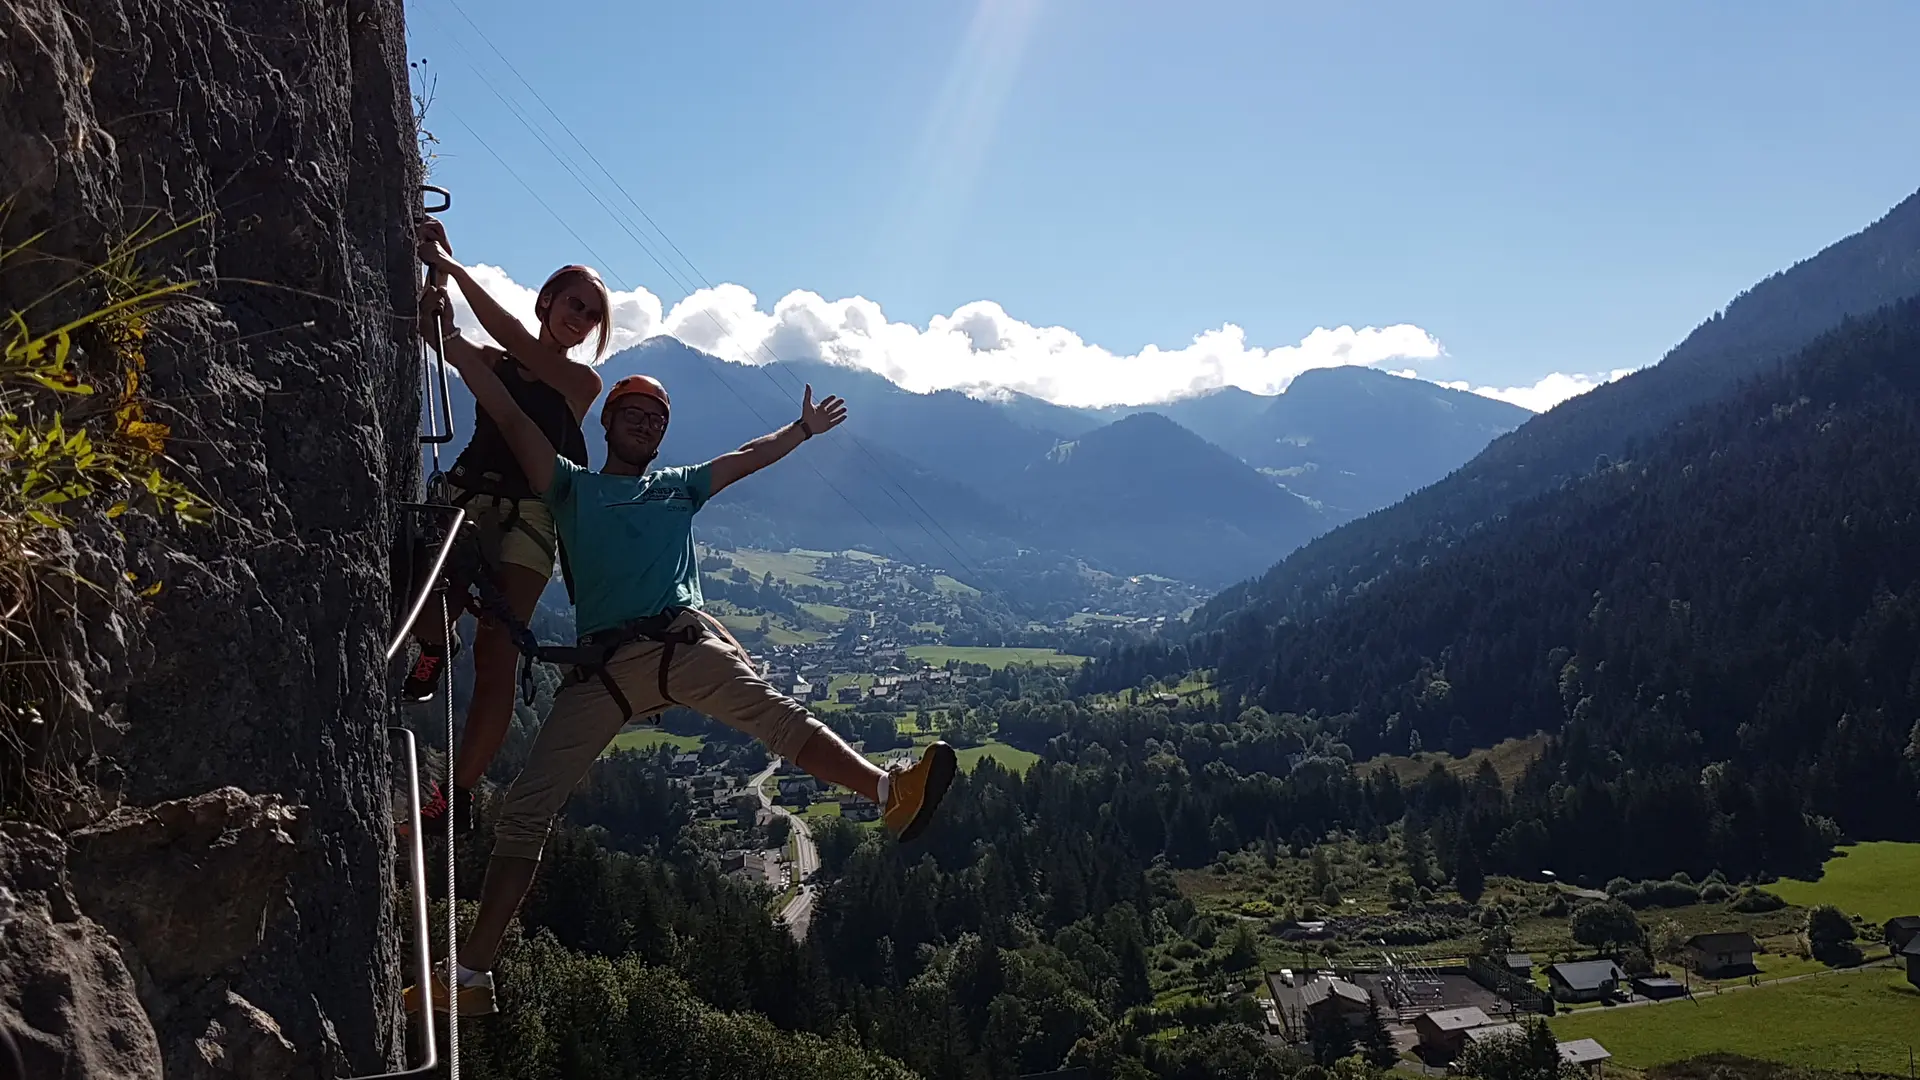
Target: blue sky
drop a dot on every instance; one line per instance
(1040, 189)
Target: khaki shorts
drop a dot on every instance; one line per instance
(529, 541)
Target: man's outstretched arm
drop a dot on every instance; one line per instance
(767, 449)
(530, 445)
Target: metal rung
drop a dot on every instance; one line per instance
(442, 430)
(417, 866)
(439, 563)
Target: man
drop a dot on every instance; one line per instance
(629, 535)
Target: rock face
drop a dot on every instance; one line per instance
(249, 904)
(189, 884)
(64, 993)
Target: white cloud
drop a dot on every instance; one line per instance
(1542, 395)
(982, 350)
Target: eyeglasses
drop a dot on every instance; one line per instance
(579, 307)
(640, 417)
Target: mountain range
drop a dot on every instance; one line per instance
(1759, 328)
(1206, 489)
(1698, 581)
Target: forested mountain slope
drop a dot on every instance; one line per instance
(1855, 276)
(1724, 628)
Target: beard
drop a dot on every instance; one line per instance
(636, 454)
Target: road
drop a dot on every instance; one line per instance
(799, 910)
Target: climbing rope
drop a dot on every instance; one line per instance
(453, 920)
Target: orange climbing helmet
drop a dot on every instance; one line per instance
(631, 385)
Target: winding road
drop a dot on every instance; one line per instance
(799, 910)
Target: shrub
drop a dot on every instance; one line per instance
(1657, 894)
(1752, 901)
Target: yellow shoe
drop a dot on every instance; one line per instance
(475, 1000)
(914, 793)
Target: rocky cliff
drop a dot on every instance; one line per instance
(199, 848)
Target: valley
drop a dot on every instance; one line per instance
(1632, 753)
(1407, 526)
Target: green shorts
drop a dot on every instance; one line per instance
(518, 532)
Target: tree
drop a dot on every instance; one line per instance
(1468, 879)
(1534, 1054)
(778, 830)
(1126, 940)
(1605, 924)
(1322, 873)
(1830, 935)
(1668, 940)
(1376, 1042)
(1243, 951)
(1419, 855)
(1330, 1039)
(1497, 940)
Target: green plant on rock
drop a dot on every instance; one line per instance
(77, 447)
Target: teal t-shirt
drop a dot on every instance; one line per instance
(629, 540)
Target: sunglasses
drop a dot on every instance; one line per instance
(578, 307)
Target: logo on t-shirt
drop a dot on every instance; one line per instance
(656, 492)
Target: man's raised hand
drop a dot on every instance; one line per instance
(826, 415)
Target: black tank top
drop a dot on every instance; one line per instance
(487, 464)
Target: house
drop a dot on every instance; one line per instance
(685, 764)
(801, 691)
(1584, 980)
(1330, 999)
(848, 695)
(1726, 953)
(749, 866)
(1912, 955)
(859, 808)
(1900, 930)
(792, 787)
(1443, 1033)
(1584, 1053)
(1494, 1031)
(1658, 987)
(1520, 964)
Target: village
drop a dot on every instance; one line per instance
(1435, 1012)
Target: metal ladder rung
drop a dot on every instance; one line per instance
(423, 960)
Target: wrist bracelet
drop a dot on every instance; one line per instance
(808, 431)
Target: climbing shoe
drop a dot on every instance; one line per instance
(476, 997)
(914, 792)
(427, 672)
(434, 809)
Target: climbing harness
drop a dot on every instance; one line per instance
(596, 651)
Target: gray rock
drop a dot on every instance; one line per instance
(283, 132)
(189, 883)
(66, 996)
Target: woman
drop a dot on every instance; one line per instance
(515, 526)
